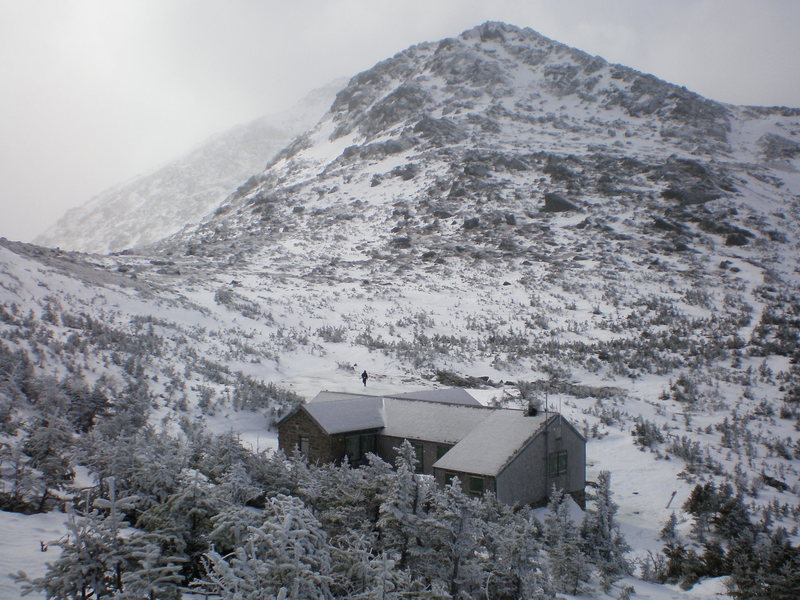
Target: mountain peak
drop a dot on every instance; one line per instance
(468, 143)
(475, 72)
(502, 32)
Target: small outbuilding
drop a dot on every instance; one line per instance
(517, 455)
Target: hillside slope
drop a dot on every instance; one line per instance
(496, 211)
(157, 204)
(501, 205)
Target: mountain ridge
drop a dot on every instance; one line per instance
(156, 204)
(668, 155)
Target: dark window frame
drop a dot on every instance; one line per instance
(557, 463)
(357, 445)
(449, 476)
(352, 448)
(303, 445)
(472, 485)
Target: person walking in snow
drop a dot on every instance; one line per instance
(364, 378)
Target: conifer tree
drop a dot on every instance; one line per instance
(568, 564)
(49, 443)
(359, 573)
(184, 521)
(271, 472)
(452, 542)
(94, 555)
(23, 482)
(231, 526)
(151, 576)
(342, 502)
(514, 561)
(399, 514)
(766, 568)
(236, 486)
(287, 554)
(603, 540)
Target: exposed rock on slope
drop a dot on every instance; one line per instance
(153, 206)
(484, 129)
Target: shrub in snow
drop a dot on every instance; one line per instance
(97, 560)
(287, 553)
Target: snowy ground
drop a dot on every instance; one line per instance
(20, 549)
(250, 426)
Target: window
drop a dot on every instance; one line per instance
(352, 448)
(303, 444)
(476, 485)
(557, 463)
(357, 445)
(441, 450)
(367, 443)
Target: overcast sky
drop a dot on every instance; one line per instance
(94, 92)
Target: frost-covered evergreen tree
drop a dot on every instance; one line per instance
(23, 484)
(82, 571)
(183, 522)
(151, 576)
(231, 526)
(399, 516)
(453, 533)
(341, 500)
(236, 486)
(359, 573)
(86, 404)
(147, 463)
(287, 553)
(569, 566)
(603, 540)
(372, 486)
(765, 569)
(514, 557)
(94, 555)
(669, 532)
(220, 454)
(49, 443)
(271, 472)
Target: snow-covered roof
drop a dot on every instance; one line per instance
(487, 448)
(444, 416)
(485, 439)
(326, 396)
(432, 421)
(447, 396)
(349, 413)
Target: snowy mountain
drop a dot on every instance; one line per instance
(158, 204)
(504, 123)
(495, 211)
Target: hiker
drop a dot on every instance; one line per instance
(364, 378)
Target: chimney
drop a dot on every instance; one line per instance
(533, 408)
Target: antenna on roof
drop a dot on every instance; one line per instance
(546, 400)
